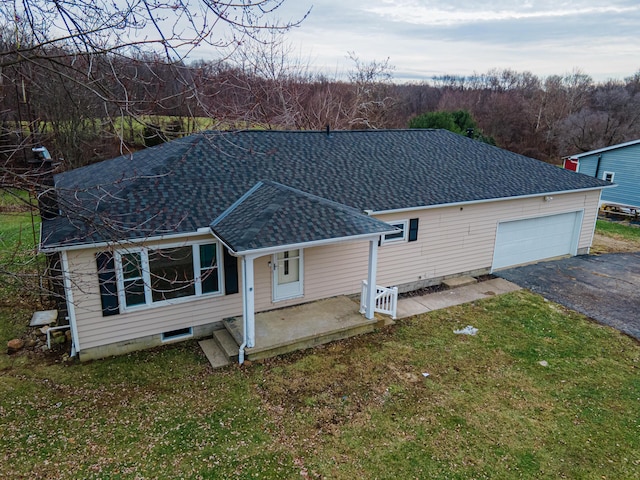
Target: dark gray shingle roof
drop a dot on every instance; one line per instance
(183, 185)
(272, 215)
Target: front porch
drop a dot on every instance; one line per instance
(289, 329)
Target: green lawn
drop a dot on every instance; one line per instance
(360, 408)
(354, 409)
(17, 264)
(620, 230)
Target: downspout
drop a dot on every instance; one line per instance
(75, 343)
(244, 312)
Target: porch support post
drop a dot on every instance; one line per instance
(249, 301)
(371, 278)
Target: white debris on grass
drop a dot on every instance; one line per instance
(425, 374)
(468, 330)
(544, 363)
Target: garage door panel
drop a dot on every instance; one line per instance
(532, 239)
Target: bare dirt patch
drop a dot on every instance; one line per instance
(609, 244)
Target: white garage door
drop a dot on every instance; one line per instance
(532, 239)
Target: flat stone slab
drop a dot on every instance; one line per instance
(456, 282)
(214, 353)
(410, 306)
(43, 317)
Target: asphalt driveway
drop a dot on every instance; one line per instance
(603, 287)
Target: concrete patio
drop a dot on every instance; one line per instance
(305, 326)
(292, 328)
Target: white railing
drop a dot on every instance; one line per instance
(386, 300)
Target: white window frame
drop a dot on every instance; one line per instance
(604, 176)
(146, 276)
(405, 233)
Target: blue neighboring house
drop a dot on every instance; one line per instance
(619, 164)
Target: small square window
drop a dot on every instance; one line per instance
(396, 236)
(608, 176)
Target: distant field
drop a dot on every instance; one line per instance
(16, 227)
(17, 264)
(133, 130)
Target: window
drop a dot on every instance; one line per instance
(152, 276)
(177, 334)
(400, 236)
(133, 282)
(608, 176)
(209, 277)
(171, 273)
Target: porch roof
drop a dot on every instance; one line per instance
(272, 215)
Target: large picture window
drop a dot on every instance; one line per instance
(148, 276)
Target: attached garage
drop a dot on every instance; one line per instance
(533, 239)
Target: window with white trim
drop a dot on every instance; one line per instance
(608, 176)
(149, 276)
(400, 236)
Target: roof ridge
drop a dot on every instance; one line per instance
(312, 196)
(322, 131)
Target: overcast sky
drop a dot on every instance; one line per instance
(423, 38)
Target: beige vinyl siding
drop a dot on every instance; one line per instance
(96, 330)
(451, 240)
(330, 270)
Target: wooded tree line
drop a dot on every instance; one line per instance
(128, 98)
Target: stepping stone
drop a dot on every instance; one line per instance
(43, 317)
(217, 358)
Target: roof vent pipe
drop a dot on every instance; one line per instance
(328, 131)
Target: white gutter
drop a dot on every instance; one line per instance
(280, 248)
(488, 200)
(82, 246)
(593, 231)
(604, 149)
(68, 293)
(244, 313)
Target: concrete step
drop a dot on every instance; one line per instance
(456, 282)
(217, 358)
(260, 352)
(227, 344)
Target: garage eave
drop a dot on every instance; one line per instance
(488, 200)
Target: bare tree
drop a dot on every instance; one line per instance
(84, 76)
(89, 46)
(371, 100)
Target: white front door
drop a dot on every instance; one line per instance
(287, 274)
